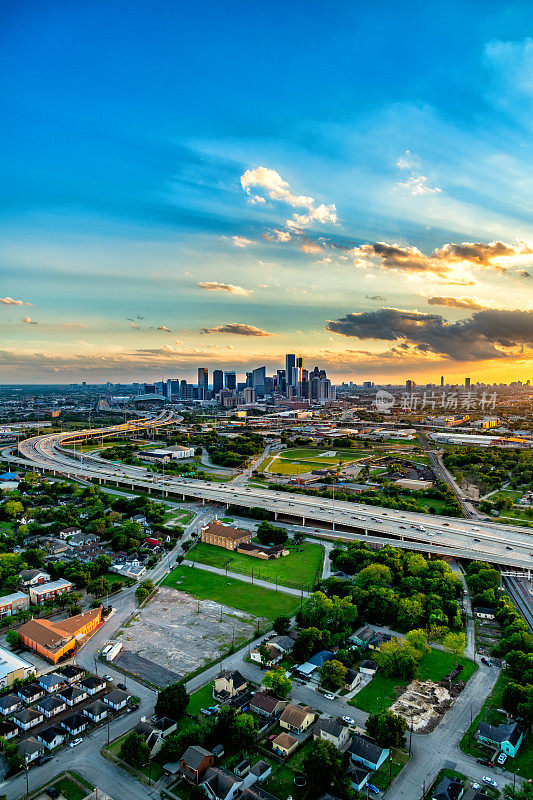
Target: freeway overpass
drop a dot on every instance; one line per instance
(507, 545)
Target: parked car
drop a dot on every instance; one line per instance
(108, 678)
(76, 742)
(484, 761)
(329, 696)
(486, 661)
(502, 758)
(122, 686)
(373, 788)
(490, 781)
(348, 720)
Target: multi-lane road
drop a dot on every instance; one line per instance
(475, 539)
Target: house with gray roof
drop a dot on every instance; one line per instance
(195, 761)
(365, 751)
(221, 784)
(506, 737)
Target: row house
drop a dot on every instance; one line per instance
(49, 590)
(33, 577)
(13, 603)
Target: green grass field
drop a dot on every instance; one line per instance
(254, 600)
(70, 790)
(181, 517)
(380, 692)
(200, 699)
(297, 570)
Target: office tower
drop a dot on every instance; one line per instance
(410, 386)
(218, 381)
(259, 381)
(467, 384)
(249, 379)
(183, 390)
(324, 389)
(314, 388)
(173, 388)
(159, 387)
(290, 363)
(441, 381)
(230, 381)
(249, 395)
(281, 380)
(203, 383)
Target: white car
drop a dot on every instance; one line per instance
(348, 720)
(490, 781)
(329, 696)
(75, 742)
(502, 758)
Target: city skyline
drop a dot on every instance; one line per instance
(363, 202)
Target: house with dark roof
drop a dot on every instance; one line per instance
(220, 784)
(96, 711)
(266, 705)
(333, 730)
(73, 695)
(362, 636)
(351, 679)
(320, 658)
(31, 692)
(9, 703)
(71, 673)
(74, 723)
(8, 729)
(283, 642)
(228, 684)
(364, 750)
(378, 639)
(261, 770)
(368, 667)
(273, 654)
(296, 718)
(448, 789)
(30, 749)
(50, 706)
(194, 762)
(27, 718)
(52, 737)
(358, 775)
(117, 699)
(93, 684)
(506, 737)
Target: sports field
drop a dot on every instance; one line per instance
(231, 592)
(297, 570)
(305, 459)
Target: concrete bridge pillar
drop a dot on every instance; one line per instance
(203, 501)
(275, 514)
(303, 520)
(183, 497)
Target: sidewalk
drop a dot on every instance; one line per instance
(248, 579)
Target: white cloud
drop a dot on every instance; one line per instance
(164, 329)
(419, 185)
(29, 321)
(276, 188)
(8, 301)
(241, 241)
(216, 286)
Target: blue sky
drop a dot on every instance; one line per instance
(189, 184)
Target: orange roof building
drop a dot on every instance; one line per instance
(52, 640)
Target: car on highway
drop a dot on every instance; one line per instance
(76, 742)
(476, 540)
(507, 547)
(490, 781)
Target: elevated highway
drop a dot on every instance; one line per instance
(506, 545)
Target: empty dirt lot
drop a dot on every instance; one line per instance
(181, 634)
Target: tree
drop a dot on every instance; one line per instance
(374, 575)
(264, 652)
(398, 658)
(12, 638)
(244, 733)
(277, 681)
(282, 625)
(387, 728)
(332, 674)
(305, 645)
(134, 750)
(524, 792)
(13, 508)
(454, 643)
(418, 639)
(171, 701)
(322, 767)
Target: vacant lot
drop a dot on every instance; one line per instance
(182, 634)
(297, 570)
(381, 692)
(253, 600)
